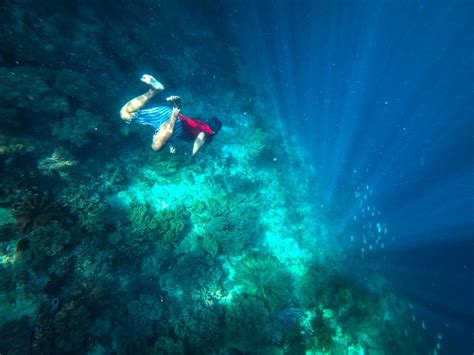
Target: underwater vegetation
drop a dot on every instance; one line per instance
(109, 247)
(263, 276)
(36, 209)
(166, 225)
(232, 225)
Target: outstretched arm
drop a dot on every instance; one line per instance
(198, 142)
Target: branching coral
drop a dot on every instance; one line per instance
(50, 239)
(36, 209)
(166, 225)
(59, 162)
(198, 325)
(189, 274)
(86, 205)
(265, 277)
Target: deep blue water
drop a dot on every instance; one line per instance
(380, 94)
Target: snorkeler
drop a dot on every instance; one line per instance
(169, 122)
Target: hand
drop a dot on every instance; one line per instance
(174, 100)
(176, 111)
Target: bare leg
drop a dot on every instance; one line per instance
(165, 132)
(126, 113)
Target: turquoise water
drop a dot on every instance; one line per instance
(277, 236)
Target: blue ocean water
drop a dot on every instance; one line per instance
(331, 214)
(378, 95)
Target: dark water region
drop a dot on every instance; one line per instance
(331, 214)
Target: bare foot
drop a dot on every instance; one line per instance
(152, 82)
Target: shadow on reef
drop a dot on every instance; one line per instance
(35, 210)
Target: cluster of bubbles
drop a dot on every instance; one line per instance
(369, 231)
(439, 336)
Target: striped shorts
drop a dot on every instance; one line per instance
(155, 117)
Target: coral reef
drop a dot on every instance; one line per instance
(59, 162)
(30, 89)
(247, 333)
(322, 331)
(9, 118)
(198, 326)
(15, 336)
(86, 205)
(166, 345)
(232, 224)
(191, 274)
(143, 314)
(135, 251)
(14, 145)
(263, 276)
(80, 128)
(257, 142)
(166, 225)
(36, 209)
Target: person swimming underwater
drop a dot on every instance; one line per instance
(168, 122)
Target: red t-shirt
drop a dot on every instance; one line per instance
(194, 127)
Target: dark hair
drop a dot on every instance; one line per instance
(215, 124)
